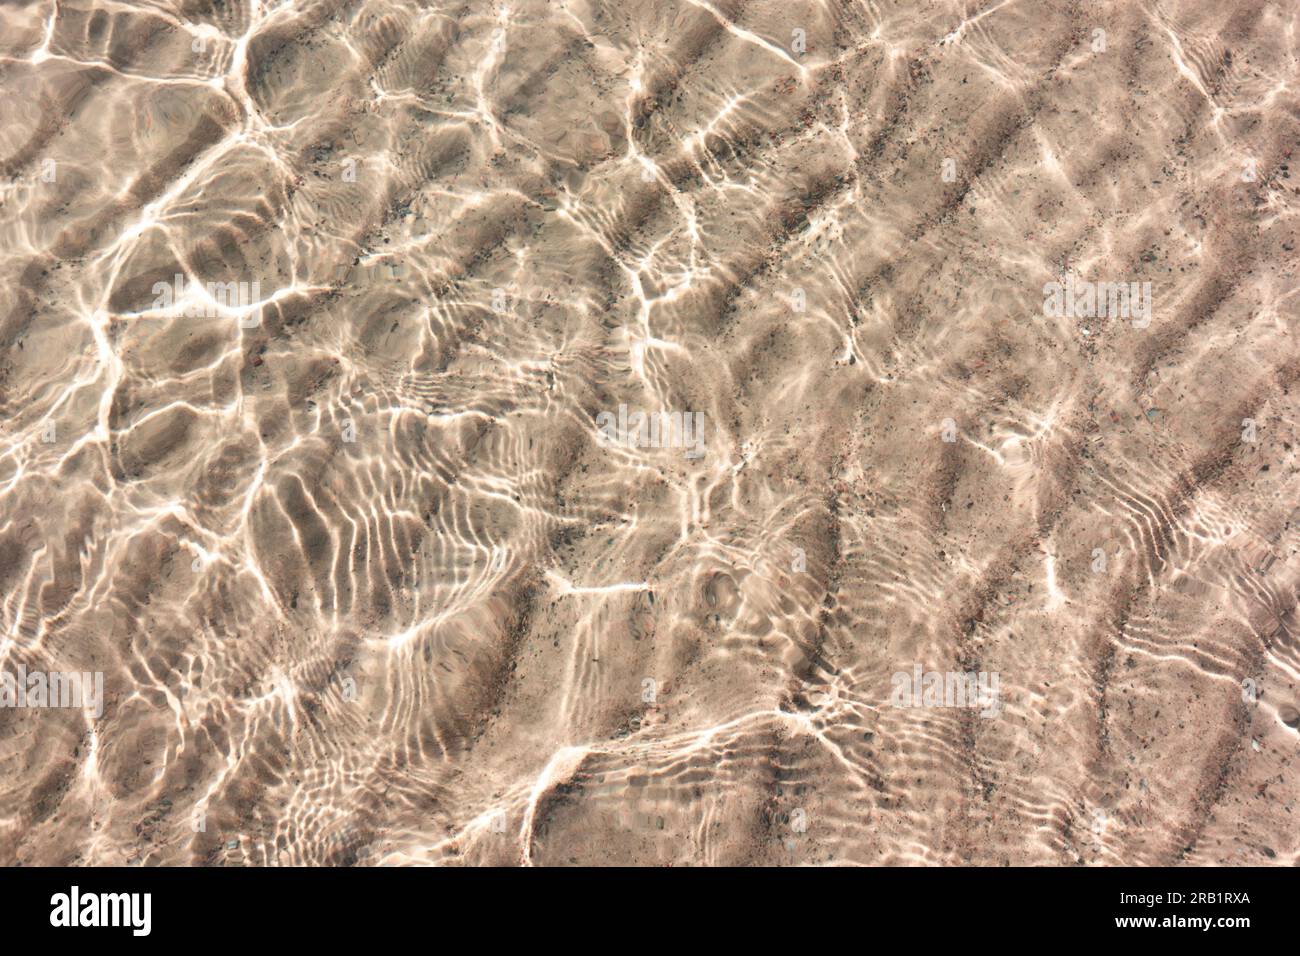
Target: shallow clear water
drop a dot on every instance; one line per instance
(378, 567)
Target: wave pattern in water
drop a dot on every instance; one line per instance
(329, 328)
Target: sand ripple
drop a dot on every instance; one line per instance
(314, 320)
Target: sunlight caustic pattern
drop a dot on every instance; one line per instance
(700, 432)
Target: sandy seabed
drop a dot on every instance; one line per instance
(650, 432)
